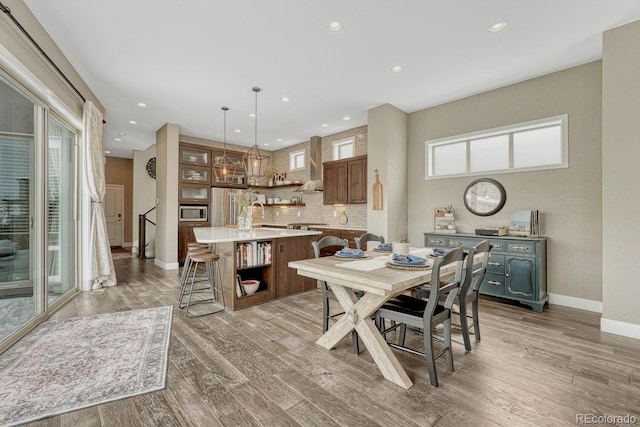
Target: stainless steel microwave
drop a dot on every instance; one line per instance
(193, 213)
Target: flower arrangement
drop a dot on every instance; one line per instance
(245, 198)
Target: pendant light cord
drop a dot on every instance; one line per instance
(256, 90)
(224, 154)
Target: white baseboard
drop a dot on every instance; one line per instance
(166, 265)
(127, 244)
(573, 302)
(630, 330)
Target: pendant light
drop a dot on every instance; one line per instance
(224, 168)
(255, 161)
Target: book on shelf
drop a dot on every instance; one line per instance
(239, 288)
(524, 223)
(250, 254)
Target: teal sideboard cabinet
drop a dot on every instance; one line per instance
(517, 266)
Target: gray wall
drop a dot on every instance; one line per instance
(620, 152)
(569, 199)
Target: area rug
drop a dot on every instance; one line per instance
(66, 365)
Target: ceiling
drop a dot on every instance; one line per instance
(185, 60)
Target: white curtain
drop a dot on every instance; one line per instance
(102, 272)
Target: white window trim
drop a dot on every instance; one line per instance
(293, 155)
(346, 141)
(563, 120)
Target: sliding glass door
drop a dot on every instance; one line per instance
(37, 209)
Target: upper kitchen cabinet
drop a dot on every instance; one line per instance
(345, 181)
(195, 155)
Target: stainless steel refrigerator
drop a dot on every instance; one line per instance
(223, 209)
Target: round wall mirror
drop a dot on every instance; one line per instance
(484, 197)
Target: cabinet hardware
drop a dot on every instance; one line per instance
(494, 264)
(497, 246)
(494, 282)
(520, 248)
(455, 243)
(437, 242)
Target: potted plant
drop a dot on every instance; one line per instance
(269, 175)
(439, 212)
(448, 211)
(401, 246)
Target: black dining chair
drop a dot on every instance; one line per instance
(423, 316)
(361, 242)
(469, 294)
(327, 294)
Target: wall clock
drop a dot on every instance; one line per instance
(151, 167)
(484, 197)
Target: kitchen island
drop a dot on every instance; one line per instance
(260, 254)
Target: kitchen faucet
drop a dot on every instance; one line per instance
(255, 202)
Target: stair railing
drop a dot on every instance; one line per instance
(142, 233)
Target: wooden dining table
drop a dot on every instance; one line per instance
(379, 283)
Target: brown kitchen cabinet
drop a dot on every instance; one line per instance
(194, 155)
(186, 236)
(345, 181)
(194, 193)
(288, 282)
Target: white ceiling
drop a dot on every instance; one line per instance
(187, 59)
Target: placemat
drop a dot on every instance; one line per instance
(426, 266)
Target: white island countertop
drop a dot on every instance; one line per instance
(223, 234)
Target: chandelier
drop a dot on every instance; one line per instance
(224, 168)
(255, 161)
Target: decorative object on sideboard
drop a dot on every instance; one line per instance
(524, 223)
(484, 197)
(377, 193)
(255, 161)
(224, 168)
(443, 220)
(151, 167)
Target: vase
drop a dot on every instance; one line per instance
(400, 248)
(245, 219)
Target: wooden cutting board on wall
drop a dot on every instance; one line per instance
(377, 193)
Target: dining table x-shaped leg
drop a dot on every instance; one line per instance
(358, 314)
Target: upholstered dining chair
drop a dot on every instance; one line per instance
(423, 315)
(469, 293)
(326, 291)
(361, 242)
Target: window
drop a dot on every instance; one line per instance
(535, 145)
(296, 160)
(343, 149)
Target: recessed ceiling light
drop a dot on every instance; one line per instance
(122, 133)
(117, 139)
(346, 118)
(237, 131)
(252, 115)
(133, 122)
(142, 104)
(107, 152)
(285, 99)
(495, 28)
(265, 143)
(397, 68)
(279, 139)
(335, 26)
(324, 125)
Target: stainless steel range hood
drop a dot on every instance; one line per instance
(314, 184)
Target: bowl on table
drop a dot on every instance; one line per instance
(250, 286)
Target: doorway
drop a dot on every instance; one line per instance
(113, 206)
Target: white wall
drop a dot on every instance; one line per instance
(167, 148)
(620, 176)
(144, 190)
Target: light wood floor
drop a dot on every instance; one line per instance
(260, 366)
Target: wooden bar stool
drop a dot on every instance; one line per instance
(192, 247)
(213, 279)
